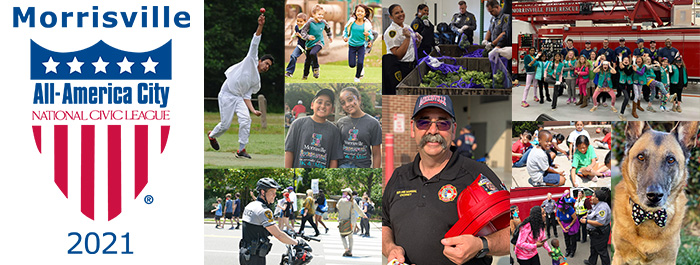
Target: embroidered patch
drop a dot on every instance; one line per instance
(487, 185)
(447, 193)
(398, 76)
(392, 33)
(415, 26)
(268, 214)
(601, 213)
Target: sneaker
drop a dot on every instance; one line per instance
(614, 110)
(605, 104)
(326, 230)
(357, 80)
(663, 108)
(524, 104)
(672, 97)
(678, 108)
(554, 109)
(287, 74)
(537, 99)
(305, 77)
(316, 72)
(243, 153)
(362, 73)
(674, 109)
(231, 228)
(213, 142)
(651, 109)
(568, 101)
(622, 117)
(594, 108)
(594, 179)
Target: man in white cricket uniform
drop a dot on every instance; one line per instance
(242, 81)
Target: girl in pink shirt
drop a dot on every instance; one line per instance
(531, 237)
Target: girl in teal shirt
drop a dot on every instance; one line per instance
(540, 75)
(357, 33)
(679, 81)
(554, 70)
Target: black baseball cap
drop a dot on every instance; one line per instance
(622, 39)
(326, 92)
(440, 101)
(588, 42)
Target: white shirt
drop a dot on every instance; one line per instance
(396, 31)
(573, 135)
(536, 165)
(293, 197)
(243, 78)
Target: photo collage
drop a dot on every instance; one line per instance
(379, 132)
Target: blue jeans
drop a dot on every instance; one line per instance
(551, 178)
(293, 60)
(347, 165)
(523, 159)
(356, 56)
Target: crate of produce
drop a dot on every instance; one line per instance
(411, 84)
(454, 50)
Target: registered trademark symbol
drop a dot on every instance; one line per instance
(148, 199)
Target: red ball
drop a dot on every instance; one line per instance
(597, 130)
(262, 10)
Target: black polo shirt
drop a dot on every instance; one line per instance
(420, 211)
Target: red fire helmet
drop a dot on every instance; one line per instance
(481, 206)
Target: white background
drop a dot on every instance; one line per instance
(35, 217)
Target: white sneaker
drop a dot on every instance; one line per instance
(357, 80)
(595, 179)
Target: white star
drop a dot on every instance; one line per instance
(150, 66)
(100, 66)
(75, 65)
(50, 65)
(125, 65)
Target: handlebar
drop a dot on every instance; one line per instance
(295, 235)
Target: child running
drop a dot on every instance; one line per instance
(540, 75)
(679, 81)
(301, 45)
(569, 77)
(605, 72)
(358, 33)
(312, 32)
(312, 142)
(554, 71)
(218, 214)
(581, 70)
(584, 162)
(530, 69)
(361, 134)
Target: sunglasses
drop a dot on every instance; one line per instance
(442, 125)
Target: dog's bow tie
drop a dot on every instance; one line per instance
(639, 215)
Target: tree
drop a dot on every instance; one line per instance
(229, 26)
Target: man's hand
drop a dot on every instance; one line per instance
(461, 248)
(397, 253)
(257, 112)
(261, 20)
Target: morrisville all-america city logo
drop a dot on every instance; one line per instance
(98, 80)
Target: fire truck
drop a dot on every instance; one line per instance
(546, 25)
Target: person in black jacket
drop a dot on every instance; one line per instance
(425, 28)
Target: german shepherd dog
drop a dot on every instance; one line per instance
(650, 200)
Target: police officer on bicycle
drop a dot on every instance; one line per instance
(259, 224)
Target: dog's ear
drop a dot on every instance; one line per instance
(633, 130)
(686, 132)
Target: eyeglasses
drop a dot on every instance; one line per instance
(442, 125)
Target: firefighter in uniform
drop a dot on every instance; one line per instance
(598, 225)
(259, 224)
(420, 199)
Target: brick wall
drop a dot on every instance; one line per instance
(405, 147)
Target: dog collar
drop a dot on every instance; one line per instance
(639, 215)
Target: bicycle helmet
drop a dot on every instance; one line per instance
(267, 183)
(302, 256)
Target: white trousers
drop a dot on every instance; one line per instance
(229, 105)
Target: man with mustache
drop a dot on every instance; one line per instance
(420, 199)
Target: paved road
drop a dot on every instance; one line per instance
(564, 112)
(221, 247)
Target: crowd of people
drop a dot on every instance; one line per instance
(537, 152)
(579, 218)
(406, 44)
(351, 142)
(591, 76)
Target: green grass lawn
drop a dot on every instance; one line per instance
(340, 72)
(262, 141)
